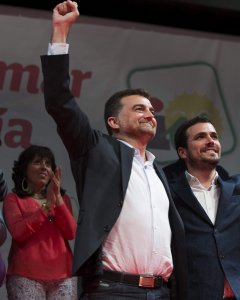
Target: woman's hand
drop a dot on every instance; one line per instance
(54, 197)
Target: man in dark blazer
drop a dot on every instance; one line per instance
(130, 238)
(210, 210)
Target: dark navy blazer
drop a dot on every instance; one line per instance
(213, 250)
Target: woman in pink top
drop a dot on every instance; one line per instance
(39, 218)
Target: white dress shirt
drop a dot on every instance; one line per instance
(139, 242)
(207, 197)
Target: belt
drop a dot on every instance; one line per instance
(145, 281)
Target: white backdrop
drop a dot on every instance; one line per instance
(186, 72)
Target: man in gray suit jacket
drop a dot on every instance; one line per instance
(210, 210)
(130, 238)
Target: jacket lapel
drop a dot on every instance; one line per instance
(126, 156)
(162, 177)
(174, 217)
(227, 188)
(182, 189)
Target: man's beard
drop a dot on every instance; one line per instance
(205, 163)
(212, 164)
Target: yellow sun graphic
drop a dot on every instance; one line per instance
(186, 106)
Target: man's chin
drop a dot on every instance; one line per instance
(151, 132)
(212, 162)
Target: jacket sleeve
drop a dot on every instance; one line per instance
(72, 123)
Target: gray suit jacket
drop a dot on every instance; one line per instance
(101, 167)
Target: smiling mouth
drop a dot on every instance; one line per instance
(211, 150)
(43, 175)
(148, 124)
(212, 153)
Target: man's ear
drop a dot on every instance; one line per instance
(182, 152)
(113, 122)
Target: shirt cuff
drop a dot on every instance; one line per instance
(58, 48)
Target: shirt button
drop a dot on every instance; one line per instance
(107, 228)
(120, 203)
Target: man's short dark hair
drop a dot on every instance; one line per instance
(180, 137)
(114, 105)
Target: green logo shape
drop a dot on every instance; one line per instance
(186, 90)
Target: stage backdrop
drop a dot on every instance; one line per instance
(187, 73)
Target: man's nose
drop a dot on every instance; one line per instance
(210, 140)
(149, 115)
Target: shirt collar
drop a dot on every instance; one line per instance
(193, 181)
(149, 155)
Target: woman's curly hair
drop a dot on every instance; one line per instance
(19, 169)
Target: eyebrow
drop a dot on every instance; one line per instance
(206, 132)
(143, 106)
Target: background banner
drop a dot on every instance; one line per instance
(185, 72)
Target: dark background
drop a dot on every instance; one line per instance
(217, 16)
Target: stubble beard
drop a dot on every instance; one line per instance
(147, 130)
(208, 163)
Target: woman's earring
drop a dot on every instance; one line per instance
(25, 186)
